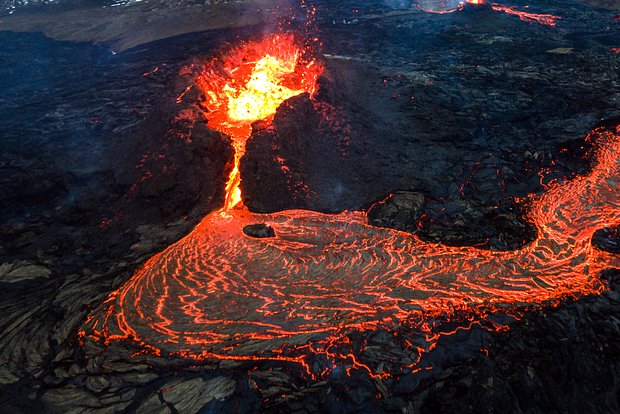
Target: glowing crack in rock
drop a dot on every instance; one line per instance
(220, 295)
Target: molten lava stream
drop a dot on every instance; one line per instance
(444, 7)
(218, 294)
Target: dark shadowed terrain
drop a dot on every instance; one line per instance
(435, 123)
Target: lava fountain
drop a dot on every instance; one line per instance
(248, 86)
(220, 295)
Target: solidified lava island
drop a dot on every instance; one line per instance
(219, 294)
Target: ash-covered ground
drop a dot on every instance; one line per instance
(447, 117)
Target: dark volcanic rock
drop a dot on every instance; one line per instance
(399, 211)
(452, 222)
(82, 173)
(607, 239)
(459, 223)
(323, 155)
(183, 166)
(259, 230)
(442, 104)
(109, 160)
(465, 108)
(176, 162)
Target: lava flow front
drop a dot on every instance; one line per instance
(218, 294)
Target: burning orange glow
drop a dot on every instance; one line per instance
(540, 18)
(263, 93)
(250, 84)
(219, 295)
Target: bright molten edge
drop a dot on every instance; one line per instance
(220, 295)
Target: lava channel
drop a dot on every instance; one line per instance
(218, 294)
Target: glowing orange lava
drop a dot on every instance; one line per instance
(540, 18)
(220, 295)
(250, 84)
(444, 7)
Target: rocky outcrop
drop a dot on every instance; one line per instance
(607, 239)
(398, 211)
(327, 154)
(260, 230)
(12, 273)
(453, 222)
(175, 163)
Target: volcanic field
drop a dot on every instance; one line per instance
(352, 207)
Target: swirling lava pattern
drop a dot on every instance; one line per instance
(218, 294)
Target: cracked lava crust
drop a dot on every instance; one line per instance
(218, 294)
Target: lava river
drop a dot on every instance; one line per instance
(219, 294)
